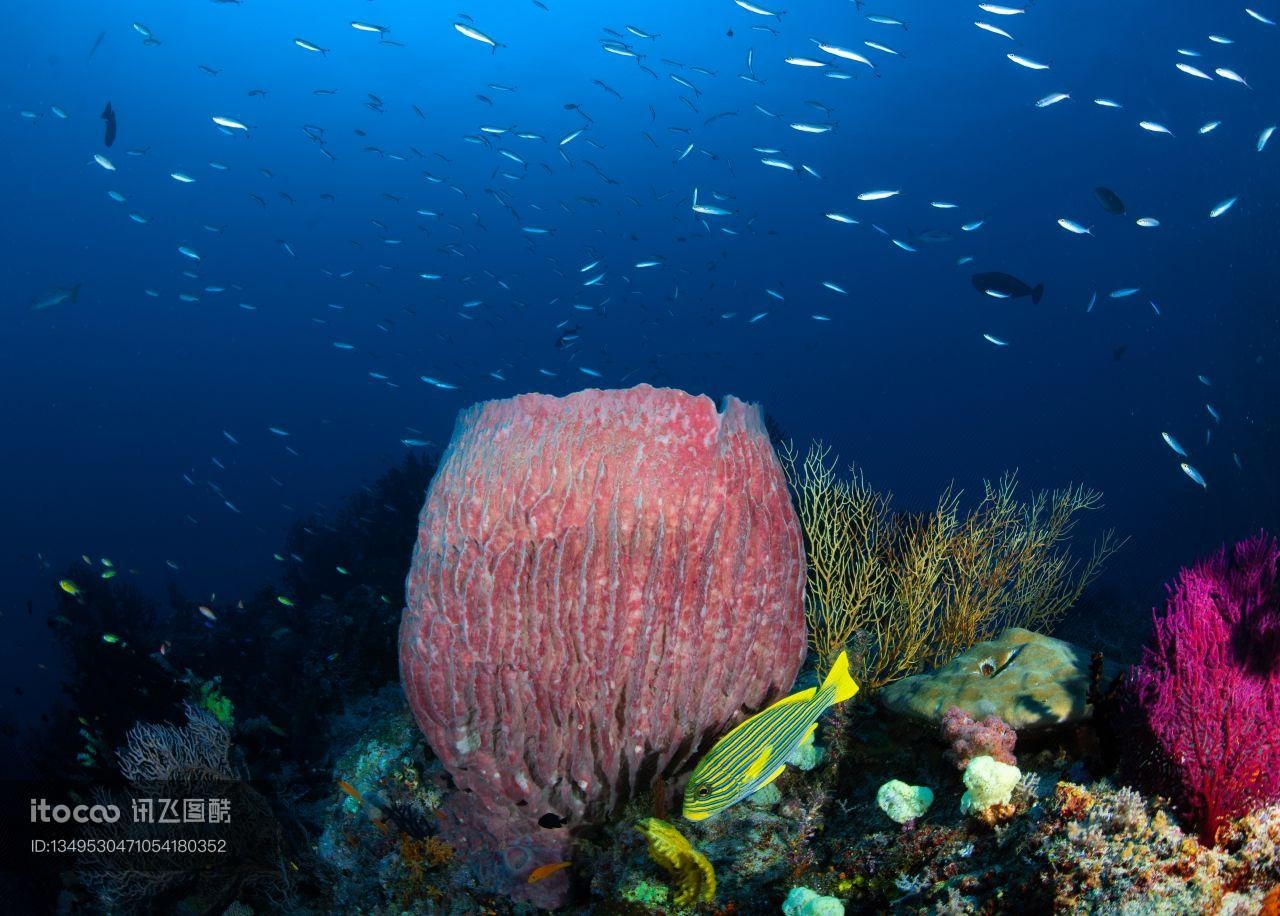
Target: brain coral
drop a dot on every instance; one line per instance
(602, 585)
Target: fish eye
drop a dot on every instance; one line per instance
(703, 791)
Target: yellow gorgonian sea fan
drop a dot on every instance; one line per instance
(694, 878)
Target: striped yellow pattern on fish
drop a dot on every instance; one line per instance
(754, 753)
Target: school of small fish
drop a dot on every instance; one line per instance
(430, 226)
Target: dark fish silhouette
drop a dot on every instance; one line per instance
(568, 336)
(933, 235)
(109, 116)
(1006, 286)
(1110, 201)
(96, 42)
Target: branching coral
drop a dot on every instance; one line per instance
(1209, 685)
(417, 858)
(159, 753)
(191, 762)
(844, 523)
(901, 592)
(1005, 567)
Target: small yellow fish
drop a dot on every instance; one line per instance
(543, 872)
(287, 602)
(69, 587)
(755, 753)
(208, 613)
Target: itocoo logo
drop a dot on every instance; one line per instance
(44, 813)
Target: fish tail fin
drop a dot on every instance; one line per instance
(1037, 293)
(839, 678)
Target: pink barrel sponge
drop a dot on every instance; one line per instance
(602, 585)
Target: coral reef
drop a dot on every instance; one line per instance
(1080, 849)
(904, 592)
(601, 584)
(1209, 685)
(349, 811)
(381, 821)
(1107, 850)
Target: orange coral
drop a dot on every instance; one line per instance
(1188, 858)
(417, 857)
(1074, 802)
(996, 814)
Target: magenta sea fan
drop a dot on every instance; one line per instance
(1208, 686)
(603, 583)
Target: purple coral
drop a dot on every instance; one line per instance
(602, 584)
(1208, 687)
(967, 738)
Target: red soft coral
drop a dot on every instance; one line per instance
(1208, 688)
(992, 737)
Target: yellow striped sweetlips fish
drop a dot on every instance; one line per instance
(755, 753)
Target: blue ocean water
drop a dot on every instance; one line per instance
(307, 310)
